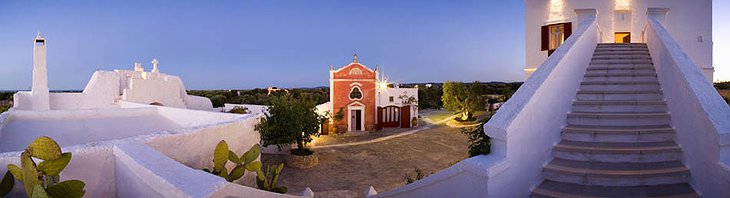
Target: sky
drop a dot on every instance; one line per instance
(250, 44)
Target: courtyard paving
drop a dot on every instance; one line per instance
(348, 171)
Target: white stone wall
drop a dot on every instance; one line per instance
(383, 98)
(687, 21)
(161, 164)
(700, 117)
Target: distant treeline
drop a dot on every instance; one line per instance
(259, 96)
(429, 94)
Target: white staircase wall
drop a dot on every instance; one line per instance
(523, 131)
(700, 117)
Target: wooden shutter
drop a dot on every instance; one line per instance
(568, 28)
(545, 38)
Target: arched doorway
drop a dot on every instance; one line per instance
(157, 104)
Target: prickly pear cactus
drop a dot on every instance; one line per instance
(269, 180)
(246, 162)
(42, 180)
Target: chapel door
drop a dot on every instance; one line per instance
(356, 120)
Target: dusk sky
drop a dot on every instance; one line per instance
(249, 44)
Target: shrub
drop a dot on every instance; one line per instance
(727, 100)
(218, 100)
(290, 120)
(418, 176)
(43, 179)
(479, 142)
(239, 110)
(4, 107)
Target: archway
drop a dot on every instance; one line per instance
(157, 104)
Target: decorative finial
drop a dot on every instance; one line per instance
(332, 67)
(154, 65)
(355, 55)
(376, 67)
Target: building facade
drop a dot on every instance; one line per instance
(367, 103)
(551, 22)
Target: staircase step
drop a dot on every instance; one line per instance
(620, 87)
(619, 95)
(621, 67)
(620, 53)
(618, 118)
(619, 106)
(560, 189)
(618, 152)
(621, 61)
(619, 82)
(621, 57)
(622, 44)
(582, 133)
(626, 72)
(622, 49)
(616, 174)
(617, 77)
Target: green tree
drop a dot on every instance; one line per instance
(460, 98)
(218, 100)
(290, 120)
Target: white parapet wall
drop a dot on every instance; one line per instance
(523, 131)
(164, 163)
(700, 117)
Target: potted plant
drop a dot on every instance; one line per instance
(288, 121)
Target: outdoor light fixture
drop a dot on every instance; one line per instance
(622, 5)
(555, 12)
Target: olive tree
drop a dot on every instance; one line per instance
(290, 120)
(460, 98)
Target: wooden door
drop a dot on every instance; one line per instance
(405, 115)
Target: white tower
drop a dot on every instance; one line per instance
(39, 91)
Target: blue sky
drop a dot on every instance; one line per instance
(248, 44)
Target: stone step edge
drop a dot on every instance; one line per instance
(618, 150)
(619, 102)
(619, 83)
(618, 115)
(614, 130)
(616, 173)
(620, 92)
(539, 190)
(615, 68)
(620, 75)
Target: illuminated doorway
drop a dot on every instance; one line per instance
(622, 37)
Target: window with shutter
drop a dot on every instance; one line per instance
(554, 35)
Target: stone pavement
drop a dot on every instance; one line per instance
(348, 171)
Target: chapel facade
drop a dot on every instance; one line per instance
(367, 103)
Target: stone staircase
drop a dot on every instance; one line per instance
(618, 141)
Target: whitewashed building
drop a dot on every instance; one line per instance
(551, 22)
(106, 88)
